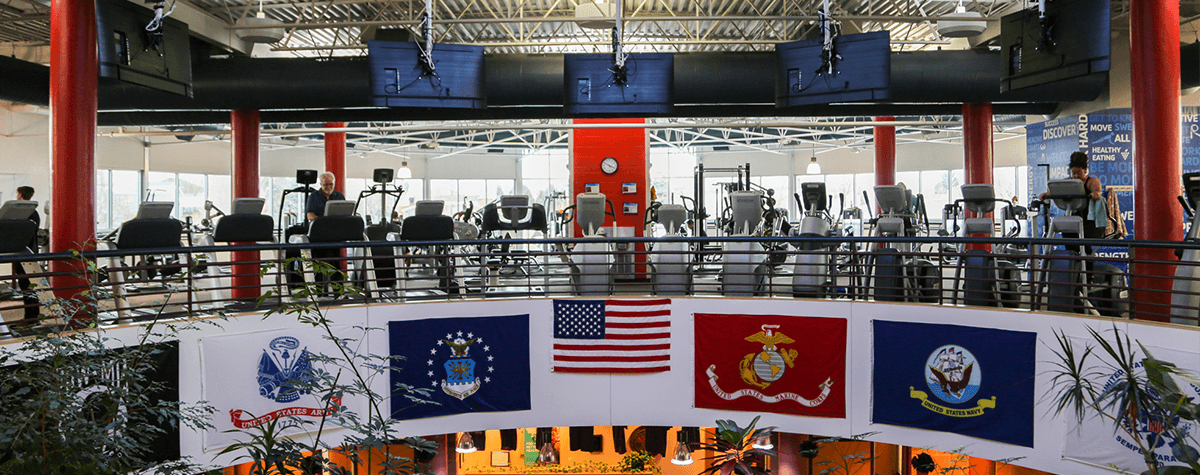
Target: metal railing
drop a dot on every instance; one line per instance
(1020, 274)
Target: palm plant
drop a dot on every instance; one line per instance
(734, 447)
(1132, 398)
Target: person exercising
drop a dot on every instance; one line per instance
(32, 306)
(314, 209)
(1094, 190)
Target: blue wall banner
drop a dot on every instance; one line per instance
(950, 378)
(472, 364)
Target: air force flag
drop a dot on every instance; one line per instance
(966, 380)
(474, 364)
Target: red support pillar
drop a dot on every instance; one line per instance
(977, 144)
(790, 461)
(73, 77)
(885, 152)
(244, 125)
(335, 155)
(1157, 159)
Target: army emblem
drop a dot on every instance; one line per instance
(768, 365)
(460, 381)
(284, 370)
(953, 375)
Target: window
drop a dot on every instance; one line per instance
(673, 174)
(544, 174)
(192, 189)
(936, 187)
(103, 200)
(126, 186)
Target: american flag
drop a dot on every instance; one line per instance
(612, 336)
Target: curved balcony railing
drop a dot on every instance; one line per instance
(1039, 275)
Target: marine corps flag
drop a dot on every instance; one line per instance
(966, 380)
(771, 363)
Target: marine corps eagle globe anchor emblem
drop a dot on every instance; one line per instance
(767, 366)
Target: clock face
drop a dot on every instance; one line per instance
(608, 165)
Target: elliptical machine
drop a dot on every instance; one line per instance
(1063, 280)
(983, 279)
(1186, 295)
(811, 277)
(592, 269)
(744, 265)
(897, 275)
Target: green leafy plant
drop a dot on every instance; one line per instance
(1132, 398)
(636, 461)
(840, 461)
(347, 373)
(79, 402)
(734, 447)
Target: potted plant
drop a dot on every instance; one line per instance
(923, 463)
(734, 447)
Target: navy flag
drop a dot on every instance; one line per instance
(473, 364)
(966, 380)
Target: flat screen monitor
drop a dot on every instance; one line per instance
(17, 209)
(429, 208)
(863, 72)
(248, 205)
(129, 53)
(339, 208)
(399, 80)
(155, 210)
(1074, 42)
(589, 86)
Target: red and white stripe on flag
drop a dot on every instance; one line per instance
(635, 336)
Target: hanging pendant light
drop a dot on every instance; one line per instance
(547, 455)
(404, 172)
(764, 441)
(813, 167)
(466, 444)
(683, 454)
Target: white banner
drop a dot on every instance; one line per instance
(1095, 443)
(249, 379)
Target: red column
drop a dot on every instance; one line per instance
(245, 124)
(977, 144)
(1157, 160)
(790, 461)
(73, 76)
(885, 152)
(335, 155)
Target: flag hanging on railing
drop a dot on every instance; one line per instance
(472, 364)
(966, 380)
(771, 363)
(612, 336)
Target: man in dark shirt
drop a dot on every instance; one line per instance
(314, 209)
(32, 305)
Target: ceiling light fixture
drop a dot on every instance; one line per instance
(813, 167)
(404, 172)
(260, 35)
(961, 23)
(764, 441)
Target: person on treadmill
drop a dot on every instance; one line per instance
(32, 306)
(314, 209)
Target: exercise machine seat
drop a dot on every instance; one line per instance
(427, 228)
(336, 229)
(149, 233)
(244, 228)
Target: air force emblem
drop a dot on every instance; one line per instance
(461, 381)
(284, 370)
(953, 375)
